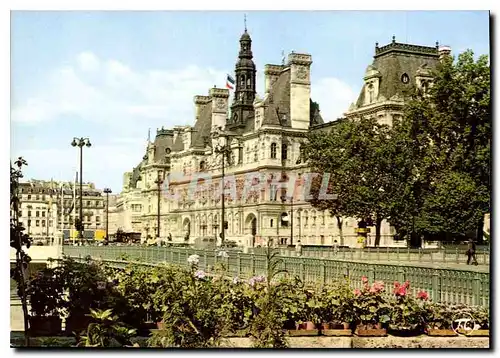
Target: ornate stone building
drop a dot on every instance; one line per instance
(46, 208)
(260, 138)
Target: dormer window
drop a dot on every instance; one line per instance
(405, 78)
(371, 93)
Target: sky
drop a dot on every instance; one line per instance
(112, 76)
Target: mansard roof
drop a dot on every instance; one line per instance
(393, 61)
(202, 127)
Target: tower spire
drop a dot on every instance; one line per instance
(245, 21)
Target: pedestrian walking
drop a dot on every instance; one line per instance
(471, 253)
(298, 248)
(335, 247)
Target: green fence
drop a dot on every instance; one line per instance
(393, 254)
(444, 285)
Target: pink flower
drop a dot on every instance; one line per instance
(364, 279)
(423, 295)
(357, 292)
(396, 284)
(373, 289)
(400, 291)
(378, 286)
(407, 284)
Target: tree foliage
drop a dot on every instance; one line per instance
(19, 240)
(429, 173)
(448, 192)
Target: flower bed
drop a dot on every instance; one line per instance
(191, 308)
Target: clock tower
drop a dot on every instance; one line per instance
(244, 94)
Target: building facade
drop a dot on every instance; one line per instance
(48, 208)
(255, 140)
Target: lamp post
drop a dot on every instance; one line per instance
(107, 191)
(283, 199)
(81, 142)
(224, 149)
(158, 182)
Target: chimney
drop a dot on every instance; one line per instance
(200, 102)
(272, 72)
(219, 98)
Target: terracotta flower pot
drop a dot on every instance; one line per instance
(335, 329)
(370, 330)
(307, 326)
(160, 325)
(45, 325)
(437, 332)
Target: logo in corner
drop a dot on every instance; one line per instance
(464, 324)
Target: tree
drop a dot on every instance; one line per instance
(450, 128)
(358, 155)
(19, 240)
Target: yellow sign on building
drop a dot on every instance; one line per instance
(100, 235)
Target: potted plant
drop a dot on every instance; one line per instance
(44, 293)
(337, 311)
(439, 319)
(481, 318)
(238, 301)
(292, 300)
(311, 313)
(195, 316)
(471, 320)
(371, 309)
(407, 312)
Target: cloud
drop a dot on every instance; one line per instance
(88, 62)
(111, 92)
(333, 96)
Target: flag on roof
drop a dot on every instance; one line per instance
(230, 82)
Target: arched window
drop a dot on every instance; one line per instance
(371, 93)
(273, 150)
(242, 80)
(284, 151)
(249, 83)
(202, 165)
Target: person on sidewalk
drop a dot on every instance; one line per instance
(298, 248)
(471, 253)
(335, 247)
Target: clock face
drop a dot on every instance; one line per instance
(405, 78)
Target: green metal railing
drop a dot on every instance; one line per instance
(444, 285)
(393, 254)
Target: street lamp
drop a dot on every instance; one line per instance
(107, 191)
(158, 182)
(283, 199)
(224, 149)
(81, 142)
